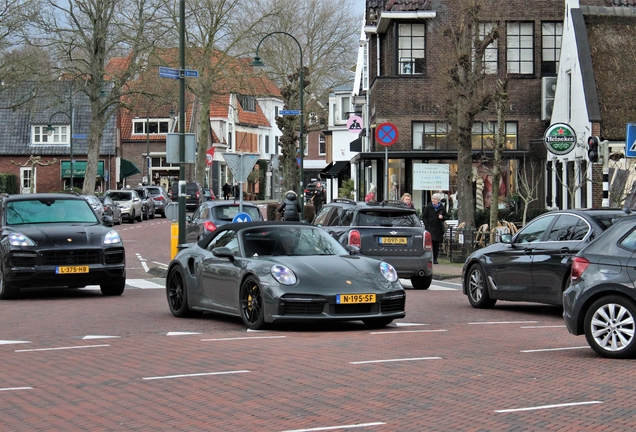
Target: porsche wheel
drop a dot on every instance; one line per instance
(478, 288)
(7, 291)
(421, 282)
(251, 304)
(113, 288)
(177, 293)
(610, 327)
(377, 322)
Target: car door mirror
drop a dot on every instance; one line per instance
(223, 252)
(353, 250)
(107, 220)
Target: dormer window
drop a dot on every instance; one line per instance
(248, 103)
(40, 136)
(150, 126)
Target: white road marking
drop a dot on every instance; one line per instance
(501, 322)
(9, 342)
(144, 284)
(538, 327)
(359, 425)
(407, 331)
(397, 360)
(548, 406)
(243, 338)
(401, 324)
(99, 337)
(16, 388)
(160, 264)
(61, 348)
(194, 375)
(554, 349)
(181, 333)
(143, 262)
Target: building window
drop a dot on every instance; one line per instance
(490, 55)
(229, 136)
(266, 144)
(551, 35)
(343, 110)
(483, 136)
(520, 52)
(150, 126)
(430, 136)
(26, 180)
(322, 149)
(410, 50)
(248, 103)
(60, 135)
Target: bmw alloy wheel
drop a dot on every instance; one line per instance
(610, 327)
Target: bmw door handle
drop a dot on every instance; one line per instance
(527, 251)
(565, 250)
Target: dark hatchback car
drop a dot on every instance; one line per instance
(389, 231)
(193, 193)
(57, 240)
(212, 214)
(535, 264)
(601, 299)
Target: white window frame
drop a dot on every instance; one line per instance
(155, 121)
(27, 177)
(322, 145)
(411, 48)
(60, 135)
(520, 48)
(344, 107)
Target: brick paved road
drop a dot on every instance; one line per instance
(459, 369)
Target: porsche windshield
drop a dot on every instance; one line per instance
(49, 211)
(293, 241)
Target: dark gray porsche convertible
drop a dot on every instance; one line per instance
(270, 272)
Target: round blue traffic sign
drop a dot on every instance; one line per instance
(242, 217)
(386, 134)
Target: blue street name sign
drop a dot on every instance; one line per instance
(79, 136)
(166, 72)
(191, 73)
(289, 112)
(630, 140)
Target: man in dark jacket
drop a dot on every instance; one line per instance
(290, 208)
(319, 197)
(433, 216)
(227, 190)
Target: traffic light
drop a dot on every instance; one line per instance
(593, 149)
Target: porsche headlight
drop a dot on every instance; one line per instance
(112, 237)
(283, 275)
(17, 239)
(388, 272)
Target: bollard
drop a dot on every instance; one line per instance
(174, 239)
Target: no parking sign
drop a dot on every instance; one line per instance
(386, 134)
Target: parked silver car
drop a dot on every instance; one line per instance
(129, 203)
(160, 196)
(96, 204)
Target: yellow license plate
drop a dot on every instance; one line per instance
(71, 269)
(355, 298)
(393, 240)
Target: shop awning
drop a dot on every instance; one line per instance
(79, 169)
(337, 168)
(327, 168)
(127, 168)
(356, 145)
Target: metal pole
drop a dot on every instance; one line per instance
(386, 174)
(605, 153)
(70, 138)
(147, 161)
(182, 121)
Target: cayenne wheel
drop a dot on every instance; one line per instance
(421, 282)
(177, 293)
(251, 304)
(113, 288)
(377, 322)
(610, 327)
(7, 290)
(478, 288)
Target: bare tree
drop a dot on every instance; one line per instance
(501, 98)
(469, 92)
(529, 178)
(84, 36)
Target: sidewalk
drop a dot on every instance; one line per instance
(447, 272)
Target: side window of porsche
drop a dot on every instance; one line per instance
(227, 239)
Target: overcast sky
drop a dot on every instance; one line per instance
(359, 6)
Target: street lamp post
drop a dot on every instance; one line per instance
(50, 129)
(257, 63)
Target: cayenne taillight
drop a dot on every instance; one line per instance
(209, 226)
(428, 241)
(159, 198)
(355, 239)
(579, 265)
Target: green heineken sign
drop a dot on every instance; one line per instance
(559, 139)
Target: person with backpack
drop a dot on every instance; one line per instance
(290, 208)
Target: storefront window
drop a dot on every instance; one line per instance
(483, 136)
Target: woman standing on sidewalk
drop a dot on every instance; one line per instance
(433, 216)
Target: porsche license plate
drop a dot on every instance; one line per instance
(393, 240)
(355, 298)
(71, 269)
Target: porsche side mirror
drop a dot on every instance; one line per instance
(107, 220)
(353, 250)
(223, 252)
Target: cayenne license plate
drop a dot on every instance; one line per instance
(393, 240)
(355, 298)
(71, 269)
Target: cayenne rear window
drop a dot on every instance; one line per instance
(388, 218)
